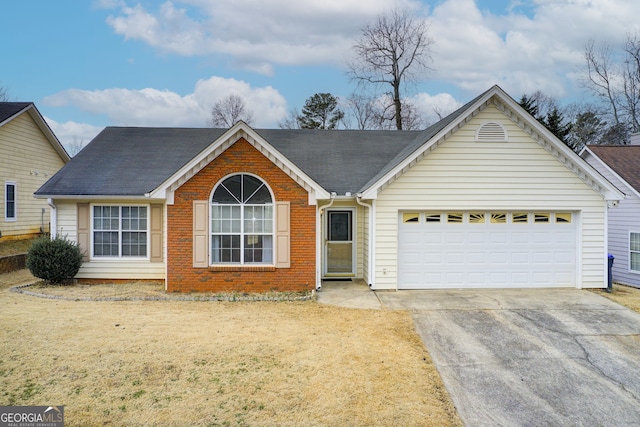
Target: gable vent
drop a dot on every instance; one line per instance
(491, 132)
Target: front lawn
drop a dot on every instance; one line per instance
(191, 363)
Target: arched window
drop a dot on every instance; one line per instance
(242, 221)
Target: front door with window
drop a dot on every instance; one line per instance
(339, 243)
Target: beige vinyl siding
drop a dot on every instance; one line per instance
(622, 220)
(465, 175)
(28, 159)
(109, 269)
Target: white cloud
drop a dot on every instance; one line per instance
(434, 107)
(256, 34)
(153, 107)
(540, 50)
(72, 133)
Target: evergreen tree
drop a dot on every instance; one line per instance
(530, 104)
(586, 130)
(557, 124)
(320, 112)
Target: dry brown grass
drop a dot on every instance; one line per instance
(624, 295)
(178, 363)
(14, 247)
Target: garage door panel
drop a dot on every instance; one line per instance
(477, 258)
(455, 237)
(500, 254)
(497, 237)
(477, 237)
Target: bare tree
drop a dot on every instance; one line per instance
(615, 78)
(412, 117)
(631, 80)
(361, 109)
(291, 121)
(600, 75)
(229, 110)
(4, 94)
(392, 51)
(74, 147)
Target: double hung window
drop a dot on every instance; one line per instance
(120, 231)
(242, 221)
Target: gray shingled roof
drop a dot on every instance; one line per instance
(123, 161)
(8, 109)
(339, 160)
(134, 161)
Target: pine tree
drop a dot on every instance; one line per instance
(320, 112)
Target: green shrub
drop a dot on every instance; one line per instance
(54, 260)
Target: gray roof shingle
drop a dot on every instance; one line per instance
(131, 161)
(8, 109)
(124, 161)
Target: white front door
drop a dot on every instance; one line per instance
(339, 243)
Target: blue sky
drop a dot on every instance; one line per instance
(89, 64)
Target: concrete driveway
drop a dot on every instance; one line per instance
(531, 357)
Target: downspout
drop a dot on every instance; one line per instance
(54, 218)
(320, 238)
(371, 237)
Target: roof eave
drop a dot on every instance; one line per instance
(48, 133)
(90, 197)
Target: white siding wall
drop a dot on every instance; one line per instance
(623, 219)
(98, 269)
(25, 151)
(463, 174)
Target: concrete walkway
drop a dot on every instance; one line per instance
(525, 357)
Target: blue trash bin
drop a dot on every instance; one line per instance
(610, 275)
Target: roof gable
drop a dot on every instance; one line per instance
(11, 110)
(230, 137)
(440, 132)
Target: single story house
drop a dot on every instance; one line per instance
(620, 164)
(485, 198)
(29, 155)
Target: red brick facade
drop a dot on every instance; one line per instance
(240, 157)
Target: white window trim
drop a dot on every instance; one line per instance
(15, 201)
(629, 251)
(120, 257)
(242, 234)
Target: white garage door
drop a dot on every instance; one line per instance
(486, 250)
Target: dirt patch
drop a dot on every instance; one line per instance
(136, 291)
(176, 363)
(623, 295)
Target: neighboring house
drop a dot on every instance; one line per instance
(29, 155)
(620, 164)
(485, 198)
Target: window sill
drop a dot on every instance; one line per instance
(247, 268)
